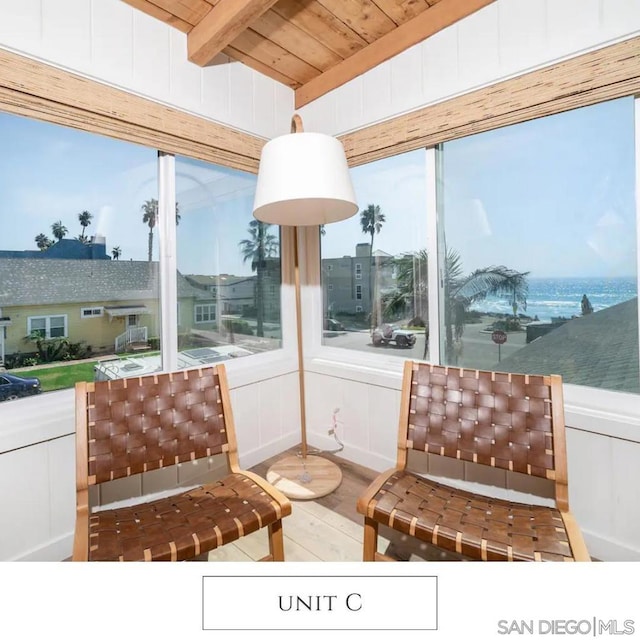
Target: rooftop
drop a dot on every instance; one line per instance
(29, 281)
(597, 350)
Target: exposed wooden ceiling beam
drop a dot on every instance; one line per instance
(227, 20)
(434, 19)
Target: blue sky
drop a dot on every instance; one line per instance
(553, 196)
(53, 173)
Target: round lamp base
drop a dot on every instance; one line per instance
(305, 478)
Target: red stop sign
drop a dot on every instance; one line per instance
(499, 337)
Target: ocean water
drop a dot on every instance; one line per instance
(561, 297)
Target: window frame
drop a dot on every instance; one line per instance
(596, 76)
(204, 304)
(47, 327)
(41, 91)
(85, 316)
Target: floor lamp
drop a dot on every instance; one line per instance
(303, 180)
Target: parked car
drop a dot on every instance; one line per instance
(334, 325)
(387, 333)
(13, 387)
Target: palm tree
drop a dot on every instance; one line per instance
(260, 245)
(59, 230)
(150, 217)
(116, 252)
(371, 220)
(85, 220)
(462, 291)
(411, 293)
(42, 241)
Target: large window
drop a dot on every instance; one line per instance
(228, 279)
(539, 247)
(75, 245)
(374, 268)
(84, 251)
(534, 255)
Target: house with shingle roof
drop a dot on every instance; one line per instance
(106, 304)
(597, 350)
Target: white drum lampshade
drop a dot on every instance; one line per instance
(303, 180)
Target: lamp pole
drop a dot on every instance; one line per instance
(303, 180)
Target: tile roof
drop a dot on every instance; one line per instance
(596, 350)
(25, 281)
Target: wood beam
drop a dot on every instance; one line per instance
(227, 20)
(430, 21)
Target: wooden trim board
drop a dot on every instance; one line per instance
(35, 89)
(604, 74)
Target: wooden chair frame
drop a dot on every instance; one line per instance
(557, 473)
(221, 421)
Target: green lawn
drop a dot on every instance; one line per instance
(66, 375)
(61, 377)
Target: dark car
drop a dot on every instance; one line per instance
(334, 325)
(12, 387)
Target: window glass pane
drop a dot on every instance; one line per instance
(37, 327)
(374, 268)
(228, 267)
(75, 239)
(57, 327)
(540, 244)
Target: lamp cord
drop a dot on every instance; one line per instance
(334, 431)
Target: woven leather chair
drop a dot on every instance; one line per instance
(508, 421)
(129, 426)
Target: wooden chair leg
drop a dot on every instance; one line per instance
(276, 541)
(370, 540)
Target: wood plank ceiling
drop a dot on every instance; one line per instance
(312, 46)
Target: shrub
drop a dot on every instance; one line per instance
(238, 326)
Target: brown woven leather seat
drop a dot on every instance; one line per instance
(510, 421)
(126, 427)
(184, 526)
(476, 526)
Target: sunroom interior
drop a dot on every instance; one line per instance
(498, 138)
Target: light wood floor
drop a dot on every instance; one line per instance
(328, 529)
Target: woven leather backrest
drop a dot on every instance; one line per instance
(502, 420)
(149, 422)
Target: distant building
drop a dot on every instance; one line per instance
(347, 281)
(65, 249)
(237, 295)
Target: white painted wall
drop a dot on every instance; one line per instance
(111, 42)
(506, 38)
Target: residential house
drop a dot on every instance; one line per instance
(236, 295)
(105, 304)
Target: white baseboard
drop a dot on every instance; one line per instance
(607, 550)
(55, 550)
